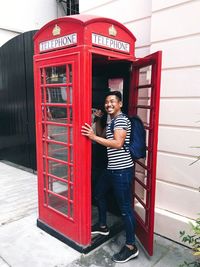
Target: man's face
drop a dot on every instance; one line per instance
(112, 105)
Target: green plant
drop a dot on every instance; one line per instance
(194, 242)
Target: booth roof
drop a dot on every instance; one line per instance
(84, 20)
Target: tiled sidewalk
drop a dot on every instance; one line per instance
(23, 244)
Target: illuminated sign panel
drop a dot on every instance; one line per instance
(110, 43)
(63, 41)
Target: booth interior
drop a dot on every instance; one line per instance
(107, 75)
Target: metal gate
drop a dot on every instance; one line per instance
(17, 116)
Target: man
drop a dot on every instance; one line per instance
(118, 175)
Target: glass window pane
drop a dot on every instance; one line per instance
(70, 72)
(59, 114)
(46, 114)
(140, 191)
(57, 151)
(71, 210)
(56, 74)
(71, 173)
(71, 135)
(58, 204)
(140, 210)
(41, 76)
(144, 114)
(44, 164)
(58, 133)
(144, 92)
(70, 115)
(44, 180)
(145, 75)
(58, 169)
(71, 193)
(58, 187)
(71, 153)
(145, 161)
(45, 197)
(70, 95)
(57, 108)
(141, 173)
(144, 101)
(56, 95)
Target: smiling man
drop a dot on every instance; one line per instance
(118, 175)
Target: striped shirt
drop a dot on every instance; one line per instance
(119, 158)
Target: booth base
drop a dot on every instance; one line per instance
(97, 240)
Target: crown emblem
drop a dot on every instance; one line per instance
(112, 31)
(56, 30)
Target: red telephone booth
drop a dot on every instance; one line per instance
(77, 58)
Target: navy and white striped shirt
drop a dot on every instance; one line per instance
(119, 158)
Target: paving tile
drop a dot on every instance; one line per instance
(23, 244)
(19, 195)
(176, 255)
(3, 263)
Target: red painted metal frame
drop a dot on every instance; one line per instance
(70, 227)
(78, 229)
(145, 229)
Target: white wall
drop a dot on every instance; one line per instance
(24, 15)
(134, 14)
(175, 31)
(173, 27)
(6, 35)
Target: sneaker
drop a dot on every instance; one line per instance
(96, 229)
(125, 254)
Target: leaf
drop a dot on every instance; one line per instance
(196, 253)
(182, 233)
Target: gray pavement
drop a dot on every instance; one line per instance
(23, 244)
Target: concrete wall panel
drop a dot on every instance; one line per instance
(177, 199)
(141, 30)
(157, 5)
(181, 82)
(121, 10)
(174, 22)
(180, 112)
(180, 52)
(178, 140)
(176, 169)
(142, 51)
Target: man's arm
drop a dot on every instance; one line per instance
(117, 142)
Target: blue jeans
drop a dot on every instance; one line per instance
(121, 183)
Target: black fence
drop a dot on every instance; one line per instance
(17, 121)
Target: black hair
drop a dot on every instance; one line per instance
(116, 93)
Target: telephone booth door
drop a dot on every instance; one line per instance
(56, 131)
(141, 97)
(144, 101)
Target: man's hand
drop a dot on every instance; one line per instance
(88, 131)
(117, 142)
(98, 113)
